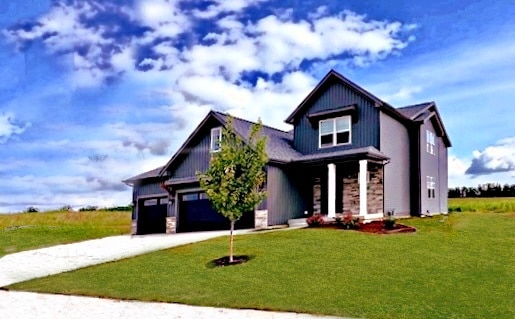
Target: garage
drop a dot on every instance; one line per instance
(197, 214)
(152, 216)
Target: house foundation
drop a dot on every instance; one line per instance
(261, 219)
(171, 225)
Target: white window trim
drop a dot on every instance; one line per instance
(430, 143)
(212, 142)
(333, 120)
(431, 186)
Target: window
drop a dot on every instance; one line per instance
(189, 197)
(430, 185)
(430, 142)
(335, 131)
(216, 137)
(150, 202)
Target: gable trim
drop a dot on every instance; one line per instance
(189, 140)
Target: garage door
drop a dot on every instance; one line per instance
(152, 216)
(197, 214)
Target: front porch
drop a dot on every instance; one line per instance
(354, 187)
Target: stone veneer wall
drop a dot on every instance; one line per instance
(261, 219)
(134, 227)
(171, 225)
(317, 197)
(350, 202)
(375, 189)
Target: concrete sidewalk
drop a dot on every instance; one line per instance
(19, 305)
(43, 262)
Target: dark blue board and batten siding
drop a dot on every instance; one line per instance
(286, 201)
(365, 132)
(195, 158)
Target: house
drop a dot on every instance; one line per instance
(348, 152)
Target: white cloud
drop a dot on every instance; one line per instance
(494, 159)
(9, 127)
(224, 6)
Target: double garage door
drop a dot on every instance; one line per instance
(197, 214)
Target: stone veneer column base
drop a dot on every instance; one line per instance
(261, 219)
(134, 227)
(171, 225)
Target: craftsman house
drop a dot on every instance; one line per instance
(348, 152)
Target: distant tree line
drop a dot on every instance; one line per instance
(485, 190)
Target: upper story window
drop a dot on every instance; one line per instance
(216, 137)
(430, 142)
(336, 131)
(430, 185)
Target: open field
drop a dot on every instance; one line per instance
(456, 266)
(35, 230)
(495, 205)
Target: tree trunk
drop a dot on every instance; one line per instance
(231, 259)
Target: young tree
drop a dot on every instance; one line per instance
(235, 178)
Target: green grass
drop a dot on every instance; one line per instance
(35, 230)
(496, 205)
(456, 266)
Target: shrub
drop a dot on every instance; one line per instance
(315, 220)
(348, 221)
(32, 209)
(88, 209)
(389, 222)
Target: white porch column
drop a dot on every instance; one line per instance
(331, 190)
(363, 188)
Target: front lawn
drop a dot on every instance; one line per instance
(24, 231)
(457, 266)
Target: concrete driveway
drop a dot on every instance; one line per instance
(37, 263)
(43, 262)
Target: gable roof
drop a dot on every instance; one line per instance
(279, 144)
(331, 77)
(426, 111)
(154, 173)
(412, 111)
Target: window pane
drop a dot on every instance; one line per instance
(326, 140)
(342, 124)
(342, 138)
(150, 202)
(203, 196)
(215, 138)
(190, 197)
(326, 127)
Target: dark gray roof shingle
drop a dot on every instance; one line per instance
(279, 144)
(150, 174)
(411, 111)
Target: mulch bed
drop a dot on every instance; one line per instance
(375, 227)
(224, 261)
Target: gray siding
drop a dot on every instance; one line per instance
(284, 200)
(394, 140)
(365, 132)
(430, 165)
(194, 159)
(443, 173)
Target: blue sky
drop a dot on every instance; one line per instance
(97, 91)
